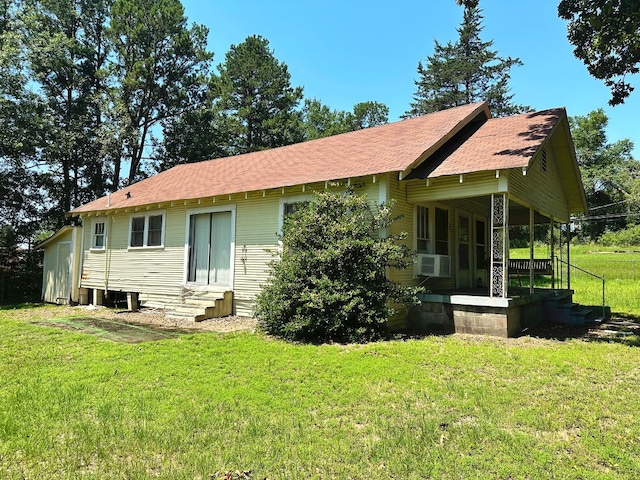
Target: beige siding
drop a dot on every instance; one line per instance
(158, 273)
(542, 190)
(450, 188)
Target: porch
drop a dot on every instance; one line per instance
(474, 311)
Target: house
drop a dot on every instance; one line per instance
(194, 239)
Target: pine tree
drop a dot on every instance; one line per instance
(257, 102)
(464, 72)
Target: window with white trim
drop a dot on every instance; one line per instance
(432, 220)
(98, 234)
(442, 231)
(147, 230)
(289, 205)
(423, 244)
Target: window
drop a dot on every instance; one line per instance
(481, 259)
(422, 230)
(147, 230)
(288, 205)
(292, 207)
(98, 235)
(442, 231)
(463, 242)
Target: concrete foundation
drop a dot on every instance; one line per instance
(478, 315)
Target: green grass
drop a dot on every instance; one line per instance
(77, 406)
(620, 269)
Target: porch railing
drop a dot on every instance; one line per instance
(575, 267)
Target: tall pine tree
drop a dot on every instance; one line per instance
(257, 102)
(464, 72)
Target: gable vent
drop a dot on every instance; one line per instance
(543, 160)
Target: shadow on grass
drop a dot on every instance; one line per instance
(620, 328)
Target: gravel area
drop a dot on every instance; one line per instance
(152, 316)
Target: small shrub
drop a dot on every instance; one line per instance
(329, 282)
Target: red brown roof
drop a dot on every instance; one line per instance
(395, 147)
(501, 143)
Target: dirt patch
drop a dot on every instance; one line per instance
(122, 325)
(113, 330)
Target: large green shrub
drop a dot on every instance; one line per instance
(630, 236)
(328, 282)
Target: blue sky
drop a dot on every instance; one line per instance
(344, 52)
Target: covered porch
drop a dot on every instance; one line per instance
(485, 291)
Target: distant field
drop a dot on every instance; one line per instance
(619, 266)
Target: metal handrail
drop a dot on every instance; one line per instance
(570, 265)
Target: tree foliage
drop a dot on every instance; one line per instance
(160, 67)
(606, 37)
(320, 121)
(330, 283)
(67, 55)
(257, 103)
(610, 175)
(464, 72)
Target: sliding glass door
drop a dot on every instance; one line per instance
(210, 248)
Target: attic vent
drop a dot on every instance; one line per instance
(543, 160)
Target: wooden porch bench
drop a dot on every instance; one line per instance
(521, 266)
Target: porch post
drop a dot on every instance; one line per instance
(568, 257)
(531, 253)
(553, 265)
(499, 240)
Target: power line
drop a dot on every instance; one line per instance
(608, 216)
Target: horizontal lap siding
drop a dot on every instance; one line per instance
(158, 273)
(256, 227)
(542, 190)
(404, 210)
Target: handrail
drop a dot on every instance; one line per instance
(570, 265)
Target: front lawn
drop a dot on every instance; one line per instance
(73, 405)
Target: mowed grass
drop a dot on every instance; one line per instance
(619, 266)
(77, 406)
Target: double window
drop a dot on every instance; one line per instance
(147, 230)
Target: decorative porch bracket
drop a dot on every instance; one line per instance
(499, 240)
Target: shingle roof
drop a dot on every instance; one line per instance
(395, 147)
(501, 143)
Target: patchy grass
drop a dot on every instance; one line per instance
(77, 406)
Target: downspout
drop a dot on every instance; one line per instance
(107, 254)
(553, 254)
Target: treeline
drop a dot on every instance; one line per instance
(95, 94)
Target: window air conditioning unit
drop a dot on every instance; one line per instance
(431, 265)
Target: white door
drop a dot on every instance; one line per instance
(63, 273)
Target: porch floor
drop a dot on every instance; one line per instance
(480, 296)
